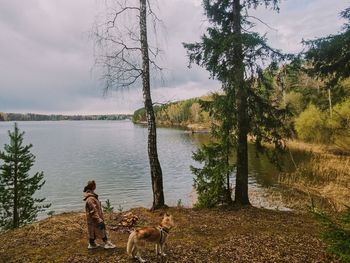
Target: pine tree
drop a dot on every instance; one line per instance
(234, 55)
(17, 204)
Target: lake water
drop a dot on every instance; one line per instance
(114, 153)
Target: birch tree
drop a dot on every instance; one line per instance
(127, 58)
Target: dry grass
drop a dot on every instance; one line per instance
(217, 235)
(317, 148)
(325, 177)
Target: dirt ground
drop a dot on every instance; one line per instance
(206, 235)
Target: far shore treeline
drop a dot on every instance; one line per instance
(58, 117)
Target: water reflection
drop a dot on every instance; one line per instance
(264, 189)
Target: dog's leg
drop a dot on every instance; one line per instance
(139, 258)
(138, 255)
(162, 250)
(157, 249)
(134, 251)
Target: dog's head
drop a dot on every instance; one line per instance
(167, 221)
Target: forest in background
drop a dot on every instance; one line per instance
(59, 117)
(318, 114)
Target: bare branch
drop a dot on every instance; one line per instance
(163, 103)
(111, 24)
(119, 46)
(150, 12)
(267, 25)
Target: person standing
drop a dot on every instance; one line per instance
(94, 217)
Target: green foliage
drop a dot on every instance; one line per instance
(51, 213)
(209, 180)
(212, 181)
(341, 125)
(311, 125)
(139, 115)
(315, 125)
(3, 116)
(108, 208)
(294, 101)
(17, 204)
(230, 51)
(268, 122)
(337, 234)
(179, 204)
(120, 208)
(297, 86)
(330, 56)
(179, 113)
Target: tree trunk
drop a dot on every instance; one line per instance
(15, 200)
(241, 190)
(156, 170)
(229, 192)
(330, 102)
(227, 141)
(15, 183)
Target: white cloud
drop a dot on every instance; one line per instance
(46, 56)
(300, 19)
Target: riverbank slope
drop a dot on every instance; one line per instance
(216, 235)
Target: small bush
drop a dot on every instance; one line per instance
(108, 208)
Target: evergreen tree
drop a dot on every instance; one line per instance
(17, 204)
(330, 57)
(212, 181)
(234, 55)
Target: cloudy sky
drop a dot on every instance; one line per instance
(47, 56)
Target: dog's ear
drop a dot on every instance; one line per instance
(166, 215)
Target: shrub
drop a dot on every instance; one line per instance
(341, 119)
(311, 126)
(108, 208)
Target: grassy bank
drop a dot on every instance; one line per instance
(248, 235)
(324, 179)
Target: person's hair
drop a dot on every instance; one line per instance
(90, 185)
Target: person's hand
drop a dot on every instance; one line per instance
(101, 225)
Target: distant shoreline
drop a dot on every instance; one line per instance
(188, 128)
(59, 117)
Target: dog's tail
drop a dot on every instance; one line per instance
(131, 243)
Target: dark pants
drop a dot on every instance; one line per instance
(99, 231)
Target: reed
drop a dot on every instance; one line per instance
(324, 176)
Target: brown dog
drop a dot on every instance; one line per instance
(156, 235)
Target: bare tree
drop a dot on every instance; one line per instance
(126, 58)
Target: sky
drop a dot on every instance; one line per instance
(47, 54)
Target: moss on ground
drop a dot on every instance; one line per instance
(215, 235)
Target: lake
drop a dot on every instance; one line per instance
(114, 153)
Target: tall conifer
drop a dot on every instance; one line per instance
(236, 55)
(17, 187)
